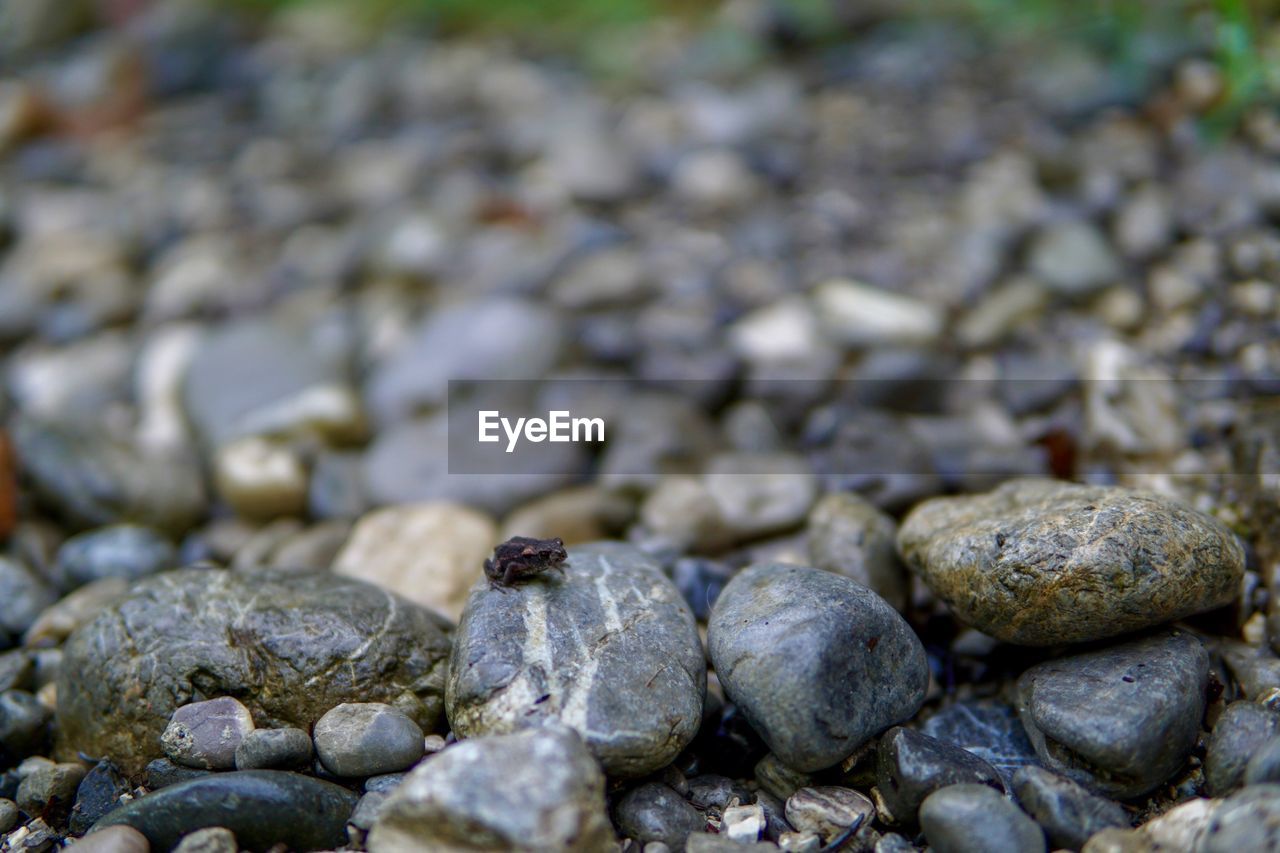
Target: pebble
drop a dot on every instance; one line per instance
(539, 789)
(1247, 820)
(1240, 733)
(8, 815)
(1042, 563)
(119, 551)
(1264, 766)
(858, 315)
(827, 810)
(50, 789)
(269, 749)
(654, 812)
(778, 779)
(705, 842)
(23, 596)
(366, 739)
(94, 480)
(211, 839)
(977, 819)
(760, 494)
(114, 839)
(576, 515)
(161, 773)
(429, 553)
(1121, 720)
(1072, 258)
(317, 640)
(261, 807)
(207, 734)
(990, 730)
(1068, 812)
(260, 478)
(23, 725)
(818, 663)
(910, 766)
(743, 823)
(629, 672)
(61, 620)
(98, 793)
(848, 535)
(711, 791)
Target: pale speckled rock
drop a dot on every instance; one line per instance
(817, 663)
(1120, 720)
(290, 646)
(1248, 820)
(607, 647)
(850, 536)
(527, 792)
(1040, 563)
(827, 810)
(429, 553)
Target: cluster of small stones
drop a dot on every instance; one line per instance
(1010, 588)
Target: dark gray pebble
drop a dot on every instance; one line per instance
(101, 787)
(990, 730)
(1068, 812)
(163, 773)
(1240, 733)
(910, 766)
(127, 551)
(654, 812)
(274, 749)
(977, 819)
(23, 725)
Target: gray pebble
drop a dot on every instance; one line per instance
(23, 597)
(778, 779)
(367, 810)
(990, 730)
(817, 663)
(23, 725)
(1247, 820)
(977, 819)
(1241, 731)
(50, 788)
(710, 791)
(538, 789)
(1039, 562)
(758, 493)
(385, 781)
(97, 794)
(211, 839)
(654, 812)
(367, 738)
(206, 734)
(119, 551)
(850, 536)
(910, 766)
(1121, 720)
(266, 749)
(8, 815)
(1264, 766)
(607, 646)
(1068, 812)
(1073, 258)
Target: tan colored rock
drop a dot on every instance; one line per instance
(576, 515)
(430, 553)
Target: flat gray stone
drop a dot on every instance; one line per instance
(528, 792)
(289, 645)
(1069, 813)
(607, 647)
(1121, 720)
(977, 819)
(1241, 731)
(366, 739)
(1040, 563)
(818, 663)
(262, 807)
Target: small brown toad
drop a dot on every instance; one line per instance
(521, 557)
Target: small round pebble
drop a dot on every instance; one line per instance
(977, 819)
(654, 812)
(207, 734)
(367, 738)
(262, 749)
(211, 839)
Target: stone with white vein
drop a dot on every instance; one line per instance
(607, 647)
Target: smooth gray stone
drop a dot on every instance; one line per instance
(366, 739)
(910, 766)
(818, 663)
(262, 807)
(163, 773)
(977, 819)
(264, 749)
(1068, 812)
(990, 730)
(1241, 731)
(850, 536)
(654, 812)
(536, 790)
(1264, 766)
(93, 480)
(23, 725)
(1248, 820)
(127, 551)
(607, 647)
(1121, 720)
(1040, 563)
(24, 595)
(290, 646)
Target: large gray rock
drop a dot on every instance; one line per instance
(1040, 563)
(262, 807)
(536, 790)
(818, 663)
(290, 646)
(1121, 720)
(607, 647)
